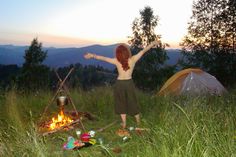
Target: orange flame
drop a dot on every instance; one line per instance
(60, 121)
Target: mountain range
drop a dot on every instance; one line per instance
(60, 57)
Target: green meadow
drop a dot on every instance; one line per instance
(201, 126)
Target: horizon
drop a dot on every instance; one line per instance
(74, 47)
(63, 24)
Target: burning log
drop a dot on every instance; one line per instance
(62, 127)
(60, 121)
(64, 120)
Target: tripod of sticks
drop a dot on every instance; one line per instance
(63, 87)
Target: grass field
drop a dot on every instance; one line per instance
(179, 126)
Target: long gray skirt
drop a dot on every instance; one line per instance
(125, 98)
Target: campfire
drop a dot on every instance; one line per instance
(60, 120)
(64, 120)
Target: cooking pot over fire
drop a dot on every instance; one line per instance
(62, 101)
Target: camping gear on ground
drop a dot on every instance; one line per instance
(192, 82)
(72, 143)
(85, 140)
(125, 138)
(92, 133)
(85, 137)
(131, 128)
(78, 133)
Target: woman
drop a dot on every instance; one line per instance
(124, 89)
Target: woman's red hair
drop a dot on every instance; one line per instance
(123, 53)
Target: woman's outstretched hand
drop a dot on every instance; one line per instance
(155, 43)
(89, 55)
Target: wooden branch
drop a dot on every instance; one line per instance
(107, 126)
(67, 92)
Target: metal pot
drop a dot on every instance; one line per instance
(62, 101)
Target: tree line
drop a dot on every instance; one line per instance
(210, 44)
(33, 75)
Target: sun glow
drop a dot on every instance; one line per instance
(97, 21)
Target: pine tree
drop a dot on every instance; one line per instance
(34, 75)
(149, 71)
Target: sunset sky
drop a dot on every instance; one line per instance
(77, 23)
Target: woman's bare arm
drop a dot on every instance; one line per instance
(142, 52)
(98, 57)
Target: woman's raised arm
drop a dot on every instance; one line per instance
(142, 52)
(98, 57)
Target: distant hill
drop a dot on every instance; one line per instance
(10, 54)
(60, 57)
(174, 55)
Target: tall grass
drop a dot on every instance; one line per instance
(179, 126)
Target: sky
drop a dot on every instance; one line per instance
(78, 23)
